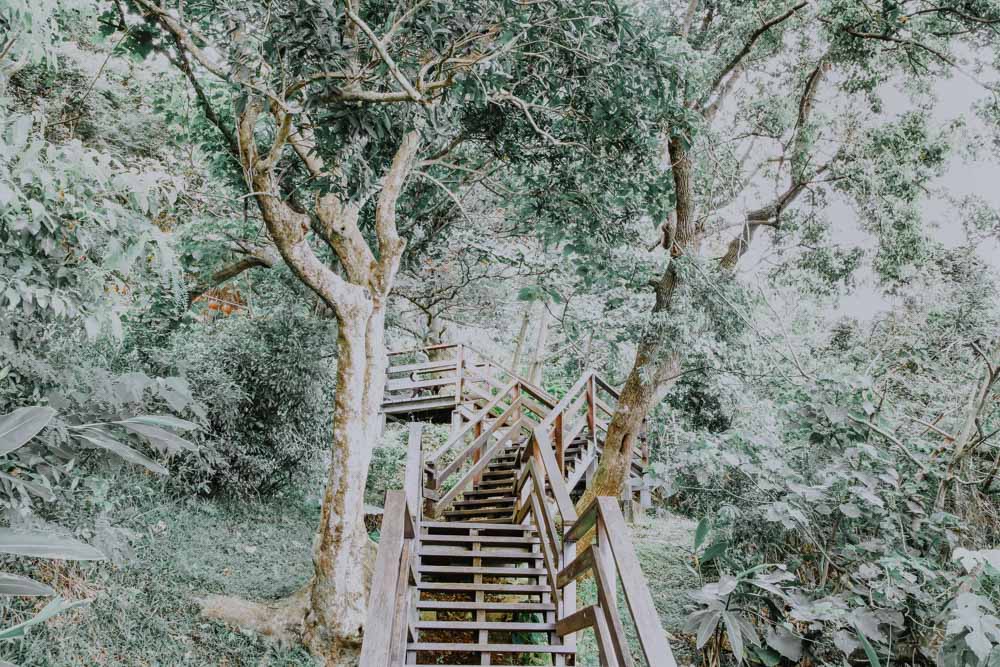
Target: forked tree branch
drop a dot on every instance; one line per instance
(737, 60)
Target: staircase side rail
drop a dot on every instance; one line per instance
(470, 475)
(510, 413)
(612, 556)
(390, 593)
(531, 500)
(535, 390)
(505, 394)
(426, 348)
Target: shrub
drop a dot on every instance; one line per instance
(266, 386)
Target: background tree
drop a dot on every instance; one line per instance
(774, 111)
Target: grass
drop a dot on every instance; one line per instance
(144, 612)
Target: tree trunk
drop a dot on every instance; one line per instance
(654, 366)
(538, 356)
(522, 334)
(334, 623)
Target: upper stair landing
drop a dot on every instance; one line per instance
(429, 384)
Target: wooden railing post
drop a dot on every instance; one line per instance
(558, 442)
(460, 371)
(382, 601)
(603, 543)
(592, 410)
(477, 432)
(415, 471)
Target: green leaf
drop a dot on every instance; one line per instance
(734, 633)
(868, 648)
(715, 550)
(12, 584)
(701, 532)
(20, 426)
(99, 439)
(767, 656)
(39, 544)
(161, 420)
(56, 606)
(158, 437)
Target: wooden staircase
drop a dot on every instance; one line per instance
(477, 561)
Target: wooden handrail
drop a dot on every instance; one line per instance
(485, 412)
(481, 440)
(479, 466)
(612, 553)
(390, 585)
(442, 346)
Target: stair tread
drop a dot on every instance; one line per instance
(478, 526)
(489, 492)
(496, 626)
(458, 605)
(499, 553)
(488, 648)
(483, 539)
(493, 588)
(485, 502)
(481, 511)
(495, 571)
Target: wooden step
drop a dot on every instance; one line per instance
(505, 527)
(459, 587)
(502, 490)
(482, 511)
(503, 500)
(494, 626)
(490, 476)
(488, 648)
(479, 553)
(511, 572)
(493, 483)
(484, 539)
(459, 605)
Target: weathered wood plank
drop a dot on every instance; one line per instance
(467, 429)
(478, 467)
(556, 481)
(375, 651)
(414, 471)
(495, 626)
(458, 605)
(607, 600)
(578, 620)
(640, 601)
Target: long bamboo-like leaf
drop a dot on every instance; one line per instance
(166, 421)
(159, 437)
(102, 440)
(33, 487)
(57, 606)
(12, 584)
(39, 544)
(868, 648)
(20, 426)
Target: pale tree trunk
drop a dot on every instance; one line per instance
(522, 334)
(538, 355)
(343, 551)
